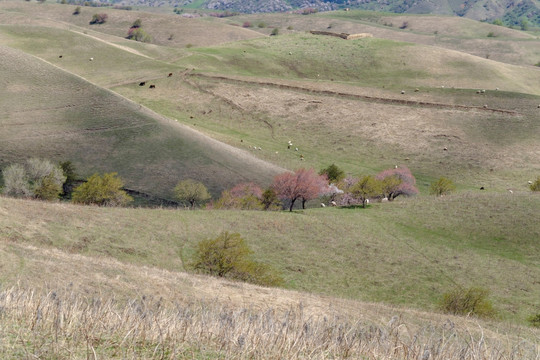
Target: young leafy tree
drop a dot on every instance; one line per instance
(191, 192)
(366, 188)
(441, 187)
(270, 200)
(333, 173)
(396, 182)
(303, 184)
(103, 190)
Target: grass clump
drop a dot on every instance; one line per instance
(228, 256)
(534, 320)
(471, 301)
(535, 186)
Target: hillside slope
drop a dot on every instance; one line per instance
(50, 113)
(407, 252)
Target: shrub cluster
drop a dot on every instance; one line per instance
(471, 301)
(36, 178)
(99, 19)
(137, 33)
(229, 256)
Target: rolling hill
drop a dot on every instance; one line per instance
(100, 131)
(439, 96)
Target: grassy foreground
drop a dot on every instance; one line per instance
(83, 282)
(408, 252)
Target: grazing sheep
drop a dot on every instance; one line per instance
(152, 86)
(384, 199)
(445, 148)
(538, 106)
(322, 205)
(402, 92)
(142, 83)
(485, 106)
(510, 191)
(483, 91)
(416, 90)
(91, 59)
(529, 182)
(497, 89)
(333, 203)
(367, 201)
(295, 149)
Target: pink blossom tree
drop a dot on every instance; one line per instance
(303, 184)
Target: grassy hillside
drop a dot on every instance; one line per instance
(407, 252)
(102, 132)
(160, 27)
(464, 35)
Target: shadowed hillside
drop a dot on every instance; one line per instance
(101, 132)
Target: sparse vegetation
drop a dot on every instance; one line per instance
(261, 25)
(103, 190)
(229, 256)
(99, 19)
(247, 24)
(274, 32)
(535, 186)
(471, 301)
(441, 187)
(77, 10)
(191, 192)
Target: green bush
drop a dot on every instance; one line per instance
(333, 173)
(229, 256)
(103, 190)
(261, 25)
(441, 187)
(534, 320)
(275, 32)
(471, 301)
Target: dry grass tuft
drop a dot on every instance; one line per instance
(39, 324)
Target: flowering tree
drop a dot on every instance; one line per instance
(398, 181)
(303, 184)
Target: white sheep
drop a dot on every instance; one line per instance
(529, 182)
(333, 203)
(322, 205)
(91, 59)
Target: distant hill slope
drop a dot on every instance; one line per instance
(47, 112)
(512, 12)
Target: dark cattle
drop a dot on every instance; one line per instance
(60, 56)
(152, 86)
(142, 83)
(170, 74)
(482, 188)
